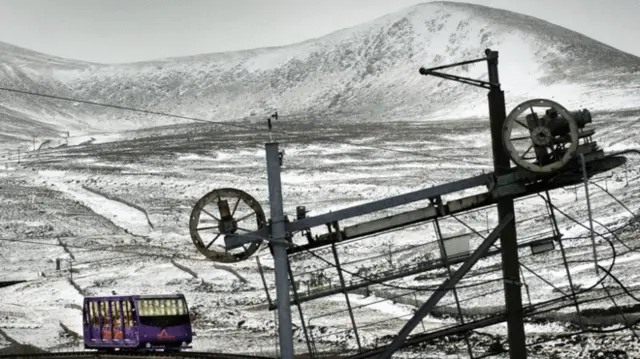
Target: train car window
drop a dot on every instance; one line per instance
(104, 312)
(101, 312)
(85, 314)
(163, 312)
(126, 313)
(163, 307)
(181, 309)
(94, 314)
(115, 310)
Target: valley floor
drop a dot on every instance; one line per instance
(117, 215)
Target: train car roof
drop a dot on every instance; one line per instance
(155, 296)
(136, 296)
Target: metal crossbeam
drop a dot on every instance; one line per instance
(237, 240)
(442, 290)
(501, 186)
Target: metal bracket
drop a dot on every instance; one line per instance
(465, 80)
(511, 281)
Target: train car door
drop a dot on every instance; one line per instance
(117, 328)
(94, 322)
(106, 321)
(131, 333)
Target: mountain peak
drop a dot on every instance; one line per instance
(370, 70)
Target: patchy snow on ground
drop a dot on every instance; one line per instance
(126, 255)
(119, 213)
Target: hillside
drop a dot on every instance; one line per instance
(370, 70)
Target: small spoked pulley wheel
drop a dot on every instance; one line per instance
(222, 212)
(540, 141)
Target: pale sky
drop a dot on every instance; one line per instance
(114, 31)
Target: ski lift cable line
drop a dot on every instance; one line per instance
(234, 125)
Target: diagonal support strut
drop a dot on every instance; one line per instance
(442, 290)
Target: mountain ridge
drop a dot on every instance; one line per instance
(369, 69)
(330, 34)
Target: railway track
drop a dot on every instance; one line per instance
(128, 355)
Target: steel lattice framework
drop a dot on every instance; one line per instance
(561, 153)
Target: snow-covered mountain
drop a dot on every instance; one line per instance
(370, 70)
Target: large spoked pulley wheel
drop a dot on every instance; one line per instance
(222, 212)
(540, 142)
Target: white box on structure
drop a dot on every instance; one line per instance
(457, 246)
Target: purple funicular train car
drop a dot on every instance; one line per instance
(136, 322)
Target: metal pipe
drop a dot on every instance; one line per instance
(508, 237)
(586, 192)
(278, 235)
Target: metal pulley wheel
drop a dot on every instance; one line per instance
(222, 212)
(540, 143)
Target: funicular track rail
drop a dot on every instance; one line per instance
(126, 355)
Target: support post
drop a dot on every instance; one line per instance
(626, 174)
(508, 238)
(526, 287)
(556, 232)
(343, 285)
(486, 214)
(279, 243)
(295, 298)
(298, 304)
(264, 281)
(586, 193)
